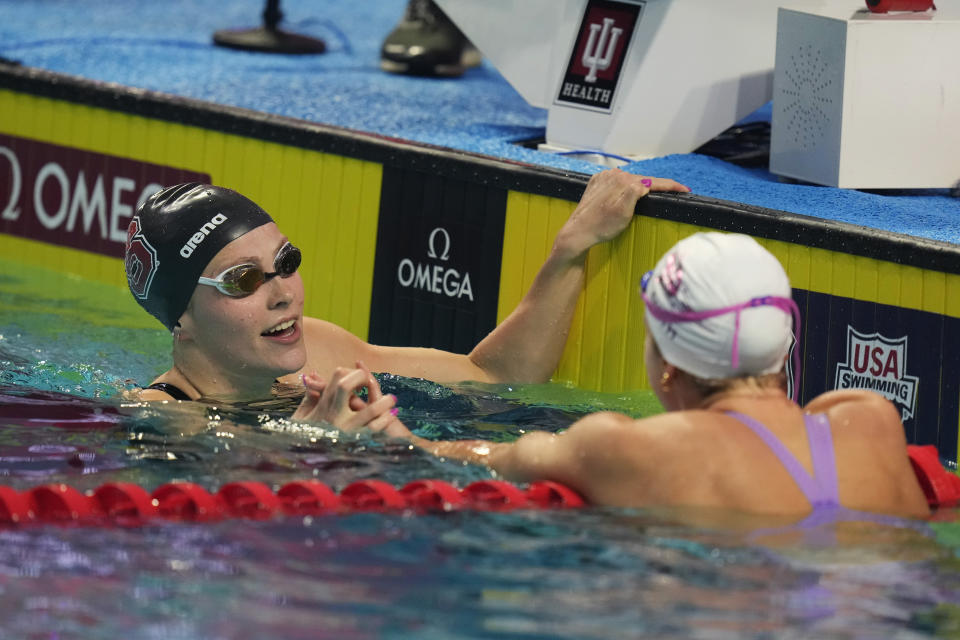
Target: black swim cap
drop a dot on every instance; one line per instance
(174, 235)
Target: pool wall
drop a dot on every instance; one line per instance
(412, 244)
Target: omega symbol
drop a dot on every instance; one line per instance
(11, 211)
(431, 249)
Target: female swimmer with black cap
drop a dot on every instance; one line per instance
(216, 270)
(718, 316)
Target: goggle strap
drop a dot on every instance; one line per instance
(735, 356)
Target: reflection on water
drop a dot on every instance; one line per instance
(588, 573)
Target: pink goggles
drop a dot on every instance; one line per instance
(787, 305)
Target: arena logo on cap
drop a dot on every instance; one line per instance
(879, 364)
(187, 249)
(599, 51)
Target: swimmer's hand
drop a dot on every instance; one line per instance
(336, 403)
(606, 208)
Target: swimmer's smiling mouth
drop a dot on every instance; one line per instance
(283, 327)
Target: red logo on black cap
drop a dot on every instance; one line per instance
(141, 261)
(599, 51)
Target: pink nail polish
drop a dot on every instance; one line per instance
(647, 182)
(394, 411)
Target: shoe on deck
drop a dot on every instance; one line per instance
(425, 42)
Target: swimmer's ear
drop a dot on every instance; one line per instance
(179, 333)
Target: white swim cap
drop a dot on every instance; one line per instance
(719, 306)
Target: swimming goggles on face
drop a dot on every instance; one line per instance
(244, 279)
(787, 305)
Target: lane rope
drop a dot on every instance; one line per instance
(127, 504)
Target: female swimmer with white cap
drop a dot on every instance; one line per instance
(718, 316)
(216, 270)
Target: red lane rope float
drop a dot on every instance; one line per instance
(187, 501)
(941, 487)
(548, 494)
(126, 504)
(251, 500)
(60, 503)
(432, 495)
(495, 495)
(14, 506)
(309, 498)
(371, 495)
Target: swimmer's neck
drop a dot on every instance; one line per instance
(731, 399)
(219, 388)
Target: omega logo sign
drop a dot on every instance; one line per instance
(82, 199)
(432, 276)
(74, 197)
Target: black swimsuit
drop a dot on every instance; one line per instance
(169, 389)
(175, 391)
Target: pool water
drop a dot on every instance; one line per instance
(68, 349)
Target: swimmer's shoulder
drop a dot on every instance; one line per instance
(152, 395)
(329, 345)
(860, 398)
(659, 435)
(859, 409)
(159, 391)
(328, 337)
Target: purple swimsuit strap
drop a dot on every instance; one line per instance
(820, 488)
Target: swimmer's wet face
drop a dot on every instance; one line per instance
(257, 335)
(243, 279)
(174, 235)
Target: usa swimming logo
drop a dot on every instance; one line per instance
(879, 364)
(593, 72)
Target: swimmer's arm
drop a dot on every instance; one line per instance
(528, 344)
(588, 457)
(330, 346)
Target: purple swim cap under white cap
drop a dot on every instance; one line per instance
(719, 306)
(175, 233)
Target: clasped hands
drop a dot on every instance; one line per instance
(336, 402)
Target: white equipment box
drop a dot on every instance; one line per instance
(868, 101)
